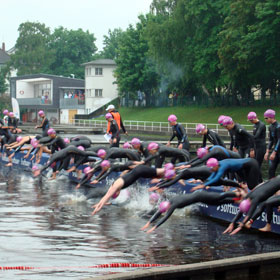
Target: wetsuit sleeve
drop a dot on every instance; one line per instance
(42, 123)
(122, 125)
(277, 146)
(201, 161)
(85, 178)
(215, 177)
(166, 184)
(232, 142)
(204, 141)
(183, 133)
(270, 140)
(150, 158)
(172, 136)
(102, 176)
(237, 217)
(166, 216)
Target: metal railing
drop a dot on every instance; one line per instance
(151, 126)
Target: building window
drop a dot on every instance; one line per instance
(98, 71)
(43, 91)
(98, 93)
(88, 71)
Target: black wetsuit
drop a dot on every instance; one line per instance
(115, 133)
(259, 133)
(61, 155)
(122, 153)
(213, 138)
(57, 144)
(13, 122)
(180, 132)
(217, 152)
(274, 142)
(164, 151)
(181, 201)
(201, 172)
(45, 126)
(139, 171)
(115, 167)
(259, 195)
(241, 140)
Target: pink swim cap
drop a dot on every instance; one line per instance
(6, 112)
(245, 205)
(101, 153)
(269, 114)
(126, 145)
(227, 121)
(108, 116)
(135, 142)
(51, 131)
(172, 118)
(34, 143)
(154, 198)
(35, 167)
(164, 206)
(11, 114)
(105, 163)
(199, 128)
(66, 140)
(201, 152)
(115, 195)
(168, 166)
(220, 119)
(212, 162)
(19, 138)
(153, 146)
(252, 116)
(81, 148)
(169, 174)
(86, 170)
(41, 113)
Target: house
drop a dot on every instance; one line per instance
(61, 98)
(100, 86)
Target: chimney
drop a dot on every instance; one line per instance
(3, 46)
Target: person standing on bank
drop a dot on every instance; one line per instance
(117, 117)
(113, 131)
(241, 140)
(179, 132)
(274, 142)
(259, 133)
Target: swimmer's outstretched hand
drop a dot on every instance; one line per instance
(237, 229)
(152, 229)
(145, 226)
(94, 182)
(78, 186)
(153, 189)
(198, 187)
(229, 228)
(154, 181)
(182, 182)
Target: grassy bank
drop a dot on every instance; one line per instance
(192, 114)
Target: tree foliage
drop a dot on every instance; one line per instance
(71, 48)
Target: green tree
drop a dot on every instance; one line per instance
(32, 54)
(111, 43)
(3, 83)
(71, 48)
(135, 69)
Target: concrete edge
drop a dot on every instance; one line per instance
(197, 268)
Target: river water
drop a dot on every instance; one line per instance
(48, 225)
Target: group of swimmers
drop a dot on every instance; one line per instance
(238, 167)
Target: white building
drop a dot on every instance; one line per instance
(100, 86)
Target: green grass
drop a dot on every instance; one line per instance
(194, 114)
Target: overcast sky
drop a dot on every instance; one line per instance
(93, 15)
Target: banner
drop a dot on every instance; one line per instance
(15, 108)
